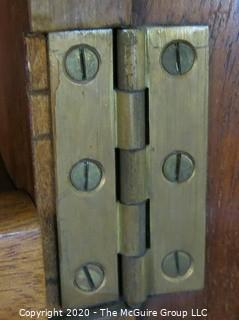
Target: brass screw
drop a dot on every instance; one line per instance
(178, 167)
(82, 63)
(178, 57)
(86, 175)
(89, 277)
(176, 264)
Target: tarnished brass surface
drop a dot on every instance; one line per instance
(169, 173)
(131, 117)
(133, 229)
(131, 120)
(178, 122)
(133, 176)
(83, 117)
(131, 59)
(135, 280)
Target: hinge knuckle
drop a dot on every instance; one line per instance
(131, 119)
(131, 59)
(132, 230)
(133, 176)
(135, 290)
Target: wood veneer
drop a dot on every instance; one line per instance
(222, 275)
(22, 277)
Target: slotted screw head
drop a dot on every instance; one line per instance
(178, 57)
(86, 175)
(176, 264)
(82, 63)
(89, 277)
(178, 167)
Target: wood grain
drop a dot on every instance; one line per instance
(222, 284)
(15, 145)
(42, 153)
(22, 281)
(40, 115)
(51, 15)
(45, 201)
(36, 55)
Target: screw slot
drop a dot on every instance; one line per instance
(178, 57)
(177, 264)
(82, 63)
(86, 175)
(89, 277)
(178, 167)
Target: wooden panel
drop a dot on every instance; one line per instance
(36, 63)
(40, 115)
(184, 12)
(220, 295)
(49, 15)
(223, 186)
(14, 129)
(42, 152)
(5, 181)
(21, 270)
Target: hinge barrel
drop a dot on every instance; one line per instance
(132, 230)
(134, 279)
(131, 59)
(131, 119)
(133, 176)
(131, 111)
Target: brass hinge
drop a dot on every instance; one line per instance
(130, 136)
